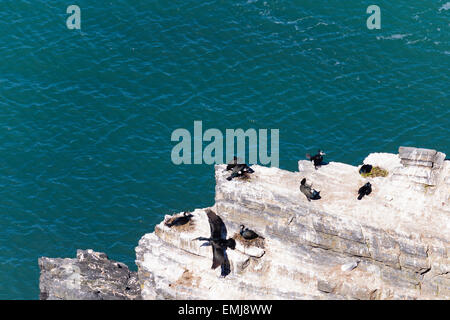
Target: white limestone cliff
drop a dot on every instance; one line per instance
(392, 244)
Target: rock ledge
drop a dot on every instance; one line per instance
(393, 244)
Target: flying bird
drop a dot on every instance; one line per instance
(308, 191)
(364, 190)
(316, 159)
(218, 240)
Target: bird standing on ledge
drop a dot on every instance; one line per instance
(316, 159)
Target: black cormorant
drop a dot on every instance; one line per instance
(217, 240)
(248, 234)
(185, 218)
(364, 190)
(238, 169)
(308, 191)
(316, 159)
(365, 169)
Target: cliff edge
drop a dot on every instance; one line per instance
(392, 244)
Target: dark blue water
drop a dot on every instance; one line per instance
(86, 115)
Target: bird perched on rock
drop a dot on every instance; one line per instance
(248, 234)
(365, 169)
(364, 190)
(316, 159)
(179, 221)
(238, 169)
(308, 191)
(218, 240)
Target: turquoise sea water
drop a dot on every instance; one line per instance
(86, 115)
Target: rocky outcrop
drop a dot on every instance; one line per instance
(422, 166)
(91, 276)
(392, 244)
